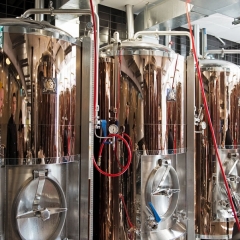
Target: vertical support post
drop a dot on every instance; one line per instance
(87, 133)
(130, 21)
(168, 38)
(190, 166)
(204, 41)
(196, 38)
(39, 4)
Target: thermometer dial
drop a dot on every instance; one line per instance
(113, 129)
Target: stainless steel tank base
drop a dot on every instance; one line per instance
(217, 237)
(178, 230)
(160, 188)
(44, 206)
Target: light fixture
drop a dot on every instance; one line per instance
(18, 77)
(8, 61)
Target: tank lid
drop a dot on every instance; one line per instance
(135, 48)
(23, 25)
(214, 64)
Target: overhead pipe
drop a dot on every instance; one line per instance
(222, 52)
(223, 43)
(168, 39)
(130, 21)
(39, 4)
(196, 38)
(164, 33)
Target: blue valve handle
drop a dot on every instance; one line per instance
(104, 127)
(155, 214)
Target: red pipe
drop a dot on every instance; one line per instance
(209, 119)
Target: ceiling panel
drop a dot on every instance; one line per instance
(213, 5)
(138, 5)
(220, 26)
(217, 15)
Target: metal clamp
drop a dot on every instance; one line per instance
(180, 215)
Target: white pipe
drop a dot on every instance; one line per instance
(168, 39)
(196, 38)
(204, 41)
(130, 21)
(39, 4)
(163, 33)
(220, 40)
(222, 51)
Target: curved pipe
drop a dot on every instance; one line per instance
(164, 33)
(125, 168)
(222, 51)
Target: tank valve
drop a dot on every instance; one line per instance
(224, 204)
(180, 215)
(153, 219)
(132, 231)
(233, 178)
(198, 120)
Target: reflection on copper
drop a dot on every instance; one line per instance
(222, 91)
(147, 116)
(33, 60)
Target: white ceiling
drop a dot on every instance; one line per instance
(216, 24)
(138, 5)
(220, 26)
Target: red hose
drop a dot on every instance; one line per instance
(124, 169)
(125, 208)
(209, 119)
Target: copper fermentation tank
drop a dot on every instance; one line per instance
(39, 175)
(214, 217)
(142, 92)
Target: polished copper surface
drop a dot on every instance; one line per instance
(143, 93)
(213, 212)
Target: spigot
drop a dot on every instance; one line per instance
(198, 120)
(152, 224)
(180, 215)
(224, 204)
(233, 178)
(133, 230)
(153, 219)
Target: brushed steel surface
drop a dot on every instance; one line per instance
(52, 196)
(56, 192)
(190, 136)
(86, 140)
(168, 228)
(159, 13)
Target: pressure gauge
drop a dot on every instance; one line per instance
(203, 125)
(113, 129)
